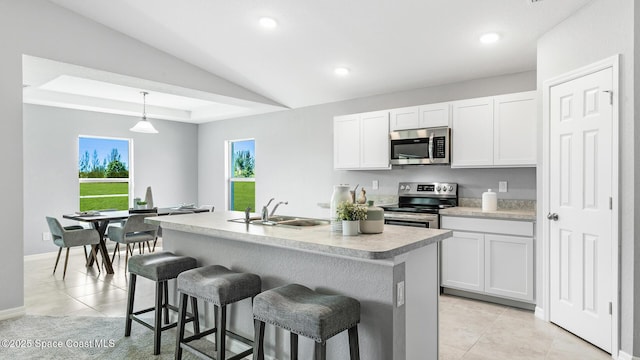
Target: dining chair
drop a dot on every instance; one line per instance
(134, 231)
(70, 236)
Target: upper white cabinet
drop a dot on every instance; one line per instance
(404, 118)
(361, 141)
(496, 131)
(423, 116)
(514, 130)
(472, 133)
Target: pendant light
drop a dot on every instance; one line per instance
(144, 126)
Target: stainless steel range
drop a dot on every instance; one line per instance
(419, 204)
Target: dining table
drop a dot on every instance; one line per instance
(100, 220)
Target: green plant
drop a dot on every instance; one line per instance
(350, 211)
(142, 203)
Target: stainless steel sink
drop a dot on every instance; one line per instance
(283, 220)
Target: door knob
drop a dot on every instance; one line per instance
(553, 216)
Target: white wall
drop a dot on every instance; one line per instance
(166, 161)
(40, 28)
(294, 151)
(600, 30)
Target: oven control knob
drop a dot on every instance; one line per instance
(407, 187)
(438, 188)
(450, 188)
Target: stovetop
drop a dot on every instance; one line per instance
(424, 198)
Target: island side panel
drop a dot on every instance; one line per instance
(371, 282)
(422, 298)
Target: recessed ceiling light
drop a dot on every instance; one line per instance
(489, 38)
(341, 71)
(268, 23)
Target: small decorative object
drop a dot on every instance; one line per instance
(148, 198)
(340, 194)
(489, 201)
(135, 202)
(141, 204)
(352, 193)
(350, 214)
(374, 224)
(362, 198)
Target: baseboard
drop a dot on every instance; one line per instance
(539, 313)
(12, 313)
(624, 356)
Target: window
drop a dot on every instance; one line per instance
(103, 172)
(241, 170)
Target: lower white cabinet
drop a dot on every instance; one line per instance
(488, 262)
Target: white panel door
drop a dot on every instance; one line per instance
(374, 140)
(514, 129)
(463, 261)
(346, 142)
(434, 115)
(580, 189)
(508, 266)
(404, 118)
(472, 133)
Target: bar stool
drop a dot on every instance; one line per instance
(158, 267)
(305, 312)
(220, 286)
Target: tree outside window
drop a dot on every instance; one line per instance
(242, 182)
(103, 172)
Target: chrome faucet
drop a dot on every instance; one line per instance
(247, 215)
(265, 210)
(278, 204)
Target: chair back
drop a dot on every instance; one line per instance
(57, 231)
(136, 224)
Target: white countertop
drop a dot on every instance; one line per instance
(395, 240)
(528, 215)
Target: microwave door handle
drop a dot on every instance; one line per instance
(431, 148)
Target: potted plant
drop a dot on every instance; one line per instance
(142, 204)
(350, 214)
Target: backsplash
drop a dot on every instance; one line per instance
(503, 204)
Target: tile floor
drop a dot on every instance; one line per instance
(469, 329)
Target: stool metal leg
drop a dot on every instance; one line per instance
(258, 340)
(221, 332)
(157, 328)
(354, 347)
(320, 351)
(182, 314)
(166, 302)
(130, 297)
(293, 346)
(194, 312)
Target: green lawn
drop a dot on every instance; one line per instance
(244, 195)
(101, 203)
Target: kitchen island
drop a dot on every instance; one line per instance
(394, 275)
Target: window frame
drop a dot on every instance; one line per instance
(228, 172)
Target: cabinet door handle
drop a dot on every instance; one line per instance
(553, 216)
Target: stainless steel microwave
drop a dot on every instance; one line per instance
(420, 146)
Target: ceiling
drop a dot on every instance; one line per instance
(389, 46)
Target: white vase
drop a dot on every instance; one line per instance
(340, 194)
(350, 228)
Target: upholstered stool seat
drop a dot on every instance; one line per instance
(305, 312)
(220, 286)
(158, 267)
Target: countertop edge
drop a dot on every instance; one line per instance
(521, 215)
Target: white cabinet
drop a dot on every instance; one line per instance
(434, 115)
(416, 117)
(361, 141)
(472, 133)
(495, 260)
(404, 118)
(497, 131)
(514, 131)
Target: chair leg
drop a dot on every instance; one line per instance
(94, 253)
(258, 340)
(157, 333)
(321, 351)
(148, 246)
(154, 244)
(86, 256)
(182, 314)
(115, 250)
(194, 312)
(66, 259)
(57, 259)
(221, 333)
(166, 302)
(294, 346)
(354, 347)
(130, 297)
